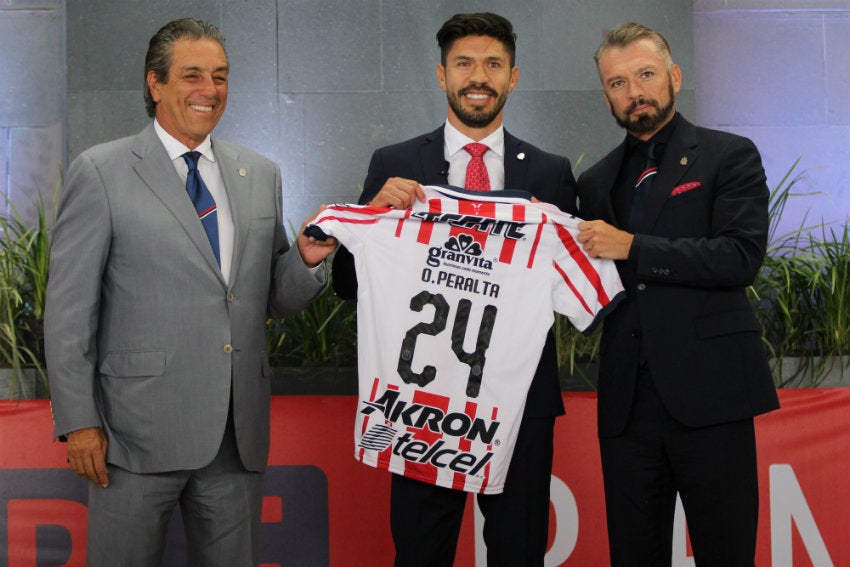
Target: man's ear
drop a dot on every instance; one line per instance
(514, 79)
(153, 85)
(676, 77)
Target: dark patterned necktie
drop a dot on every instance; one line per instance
(642, 186)
(203, 200)
(477, 178)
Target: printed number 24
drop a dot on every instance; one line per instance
(475, 359)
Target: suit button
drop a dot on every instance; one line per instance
(231, 297)
(228, 349)
(641, 286)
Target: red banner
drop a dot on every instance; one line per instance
(322, 508)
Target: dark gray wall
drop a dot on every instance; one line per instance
(32, 100)
(318, 85)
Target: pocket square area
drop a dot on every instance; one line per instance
(679, 189)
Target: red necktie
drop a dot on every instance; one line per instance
(476, 172)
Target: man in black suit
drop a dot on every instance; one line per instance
(477, 71)
(683, 370)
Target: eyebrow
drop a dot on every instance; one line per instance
(486, 58)
(638, 71)
(197, 68)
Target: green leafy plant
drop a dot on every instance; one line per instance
(833, 291)
(802, 294)
(24, 261)
(576, 350)
(325, 333)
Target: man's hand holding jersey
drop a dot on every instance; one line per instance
(313, 251)
(398, 193)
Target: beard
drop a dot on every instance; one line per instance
(474, 118)
(646, 123)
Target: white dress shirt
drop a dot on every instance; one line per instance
(210, 173)
(458, 158)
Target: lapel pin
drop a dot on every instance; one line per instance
(242, 172)
(520, 156)
(684, 161)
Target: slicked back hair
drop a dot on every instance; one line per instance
(160, 50)
(627, 33)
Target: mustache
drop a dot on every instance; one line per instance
(476, 87)
(641, 101)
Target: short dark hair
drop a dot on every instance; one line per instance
(484, 23)
(160, 50)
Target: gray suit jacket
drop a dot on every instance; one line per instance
(143, 336)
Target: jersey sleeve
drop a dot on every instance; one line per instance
(584, 289)
(346, 223)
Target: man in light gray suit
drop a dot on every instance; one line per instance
(155, 326)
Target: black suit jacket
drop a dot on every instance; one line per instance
(704, 240)
(546, 176)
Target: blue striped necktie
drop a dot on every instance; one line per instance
(203, 200)
(642, 186)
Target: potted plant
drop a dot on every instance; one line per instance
(24, 259)
(802, 298)
(315, 351)
(578, 355)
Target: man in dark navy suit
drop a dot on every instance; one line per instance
(477, 71)
(683, 211)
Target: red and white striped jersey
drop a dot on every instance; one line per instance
(455, 298)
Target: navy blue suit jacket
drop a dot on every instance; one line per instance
(546, 176)
(705, 236)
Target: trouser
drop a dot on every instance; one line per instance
(220, 504)
(712, 468)
(426, 519)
